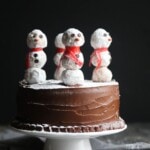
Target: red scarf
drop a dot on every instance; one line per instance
(71, 53)
(98, 52)
(31, 50)
(60, 50)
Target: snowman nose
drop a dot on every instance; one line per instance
(76, 39)
(109, 39)
(35, 40)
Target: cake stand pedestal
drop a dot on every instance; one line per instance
(69, 141)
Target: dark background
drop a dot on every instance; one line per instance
(128, 22)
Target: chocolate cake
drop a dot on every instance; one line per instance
(55, 107)
(71, 104)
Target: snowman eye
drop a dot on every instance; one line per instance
(104, 34)
(41, 36)
(79, 35)
(33, 35)
(72, 35)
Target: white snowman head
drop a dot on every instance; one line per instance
(100, 38)
(58, 41)
(36, 39)
(73, 37)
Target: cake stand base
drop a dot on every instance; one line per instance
(69, 141)
(67, 144)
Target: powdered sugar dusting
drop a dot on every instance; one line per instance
(57, 84)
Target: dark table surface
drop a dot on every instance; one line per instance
(136, 136)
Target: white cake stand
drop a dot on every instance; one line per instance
(69, 141)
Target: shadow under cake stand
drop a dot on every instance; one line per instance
(69, 141)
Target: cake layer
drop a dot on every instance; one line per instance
(55, 104)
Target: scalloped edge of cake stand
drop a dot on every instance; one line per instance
(59, 135)
(69, 141)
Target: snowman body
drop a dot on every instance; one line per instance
(71, 64)
(35, 75)
(73, 59)
(36, 57)
(101, 74)
(60, 48)
(101, 57)
(105, 59)
(72, 77)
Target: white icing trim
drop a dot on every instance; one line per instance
(57, 84)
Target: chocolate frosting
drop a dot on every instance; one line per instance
(70, 106)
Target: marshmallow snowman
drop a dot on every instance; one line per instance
(72, 59)
(101, 57)
(35, 75)
(60, 48)
(36, 57)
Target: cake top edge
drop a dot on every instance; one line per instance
(57, 84)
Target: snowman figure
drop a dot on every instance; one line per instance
(72, 59)
(36, 57)
(101, 57)
(60, 48)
